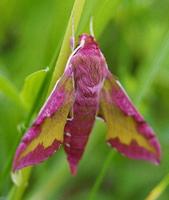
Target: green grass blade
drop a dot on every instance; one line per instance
(100, 177)
(147, 83)
(17, 192)
(65, 49)
(158, 189)
(31, 86)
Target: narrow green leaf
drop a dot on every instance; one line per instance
(108, 9)
(159, 189)
(89, 8)
(17, 192)
(65, 49)
(100, 177)
(146, 81)
(97, 10)
(31, 87)
(53, 180)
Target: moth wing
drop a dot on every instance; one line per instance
(127, 130)
(46, 134)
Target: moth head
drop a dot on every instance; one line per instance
(86, 39)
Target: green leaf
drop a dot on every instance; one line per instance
(65, 48)
(108, 9)
(158, 189)
(33, 82)
(97, 10)
(31, 87)
(21, 182)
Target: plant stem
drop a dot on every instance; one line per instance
(14, 193)
(51, 183)
(65, 49)
(158, 189)
(17, 192)
(157, 63)
(99, 179)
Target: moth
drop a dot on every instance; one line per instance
(87, 89)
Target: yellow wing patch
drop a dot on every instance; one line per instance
(123, 127)
(52, 128)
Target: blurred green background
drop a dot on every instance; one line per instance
(134, 37)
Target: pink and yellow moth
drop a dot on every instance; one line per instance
(86, 89)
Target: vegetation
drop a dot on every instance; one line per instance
(34, 39)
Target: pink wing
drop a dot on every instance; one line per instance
(127, 130)
(46, 134)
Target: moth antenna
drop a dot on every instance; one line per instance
(72, 40)
(91, 26)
